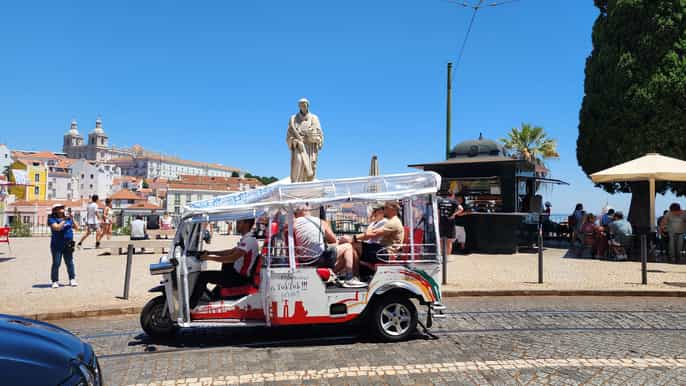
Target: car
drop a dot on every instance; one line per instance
(38, 353)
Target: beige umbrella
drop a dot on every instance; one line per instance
(651, 167)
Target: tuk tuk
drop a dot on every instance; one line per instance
(285, 287)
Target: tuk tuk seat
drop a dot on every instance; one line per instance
(247, 289)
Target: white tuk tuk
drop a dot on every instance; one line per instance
(285, 287)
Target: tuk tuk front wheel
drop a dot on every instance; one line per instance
(394, 318)
(155, 319)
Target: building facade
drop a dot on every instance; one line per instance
(94, 178)
(29, 179)
(135, 161)
(5, 157)
(193, 188)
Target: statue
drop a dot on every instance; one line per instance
(304, 139)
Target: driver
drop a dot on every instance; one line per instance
(237, 263)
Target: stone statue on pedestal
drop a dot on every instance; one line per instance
(304, 138)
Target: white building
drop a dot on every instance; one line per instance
(193, 188)
(94, 178)
(62, 186)
(149, 165)
(5, 157)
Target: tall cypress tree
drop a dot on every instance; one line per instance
(635, 92)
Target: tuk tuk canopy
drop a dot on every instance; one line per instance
(255, 202)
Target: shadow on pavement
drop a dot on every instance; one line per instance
(258, 337)
(41, 286)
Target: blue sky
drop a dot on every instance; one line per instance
(217, 80)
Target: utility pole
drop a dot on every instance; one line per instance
(448, 108)
(475, 6)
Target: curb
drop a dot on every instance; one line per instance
(446, 294)
(83, 314)
(626, 293)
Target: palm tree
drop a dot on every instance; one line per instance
(530, 143)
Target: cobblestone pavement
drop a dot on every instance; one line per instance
(511, 341)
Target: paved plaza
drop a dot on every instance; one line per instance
(25, 288)
(503, 341)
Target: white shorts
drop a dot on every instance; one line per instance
(460, 234)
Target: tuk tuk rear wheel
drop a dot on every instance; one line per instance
(394, 318)
(155, 319)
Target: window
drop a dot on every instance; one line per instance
(36, 164)
(177, 210)
(27, 220)
(36, 190)
(177, 198)
(91, 176)
(36, 177)
(189, 197)
(91, 186)
(83, 176)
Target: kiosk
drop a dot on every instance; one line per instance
(499, 190)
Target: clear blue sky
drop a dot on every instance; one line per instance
(217, 80)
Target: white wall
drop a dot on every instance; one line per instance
(95, 179)
(5, 157)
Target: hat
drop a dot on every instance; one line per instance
(55, 206)
(303, 100)
(392, 204)
(547, 203)
(377, 206)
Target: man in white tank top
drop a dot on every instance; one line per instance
(315, 239)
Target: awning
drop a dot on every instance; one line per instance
(545, 180)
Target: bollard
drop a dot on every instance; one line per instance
(540, 250)
(644, 259)
(445, 260)
(127, 278)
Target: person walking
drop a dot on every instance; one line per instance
(61, 244)
(106, 221)
(92, 222)
(674, 223)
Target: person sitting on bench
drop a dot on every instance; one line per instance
(237, 263)
(138, 229)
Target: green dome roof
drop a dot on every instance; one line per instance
(476, 148)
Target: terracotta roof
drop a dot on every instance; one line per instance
(145, 190)
(125, 194)
(143, 205)
(121, 179)
(64, 163)
(36, 155)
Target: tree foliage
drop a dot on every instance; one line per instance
(530, 143)
(635, 87)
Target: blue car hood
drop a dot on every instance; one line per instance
(32, 350)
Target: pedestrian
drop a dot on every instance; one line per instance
(575, 220)
(92, 222)
(61, 244)
(675, 224)
(447, 208)
(460, 233)
(107, 220)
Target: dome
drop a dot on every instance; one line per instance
(98, 126)
(73, 129)
(477, 148)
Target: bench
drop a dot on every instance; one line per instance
(162, 233)
(120, 246)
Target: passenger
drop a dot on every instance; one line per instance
(237, 263)
(316, 237)
(391, 234)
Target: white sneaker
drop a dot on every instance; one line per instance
(55, 284)
(354, 283)
(73, 283)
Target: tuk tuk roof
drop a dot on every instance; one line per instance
(282, 195)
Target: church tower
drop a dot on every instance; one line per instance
(72, 141)
(97, 143)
